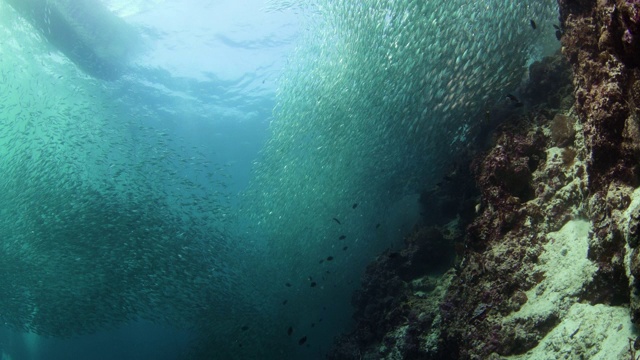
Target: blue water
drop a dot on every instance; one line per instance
(204, 77)
(192, 178)
(131, 341)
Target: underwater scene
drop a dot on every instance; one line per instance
(322, 179)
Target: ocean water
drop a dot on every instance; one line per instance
(207, 179)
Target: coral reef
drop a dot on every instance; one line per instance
(554, 247)
(606, 79)
(528, 191)
(600, 40)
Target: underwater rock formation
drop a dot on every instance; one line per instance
(600, 40)
(529, 189)
(551, 262)
(507, 296)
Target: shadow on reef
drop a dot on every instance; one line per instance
(468, 264)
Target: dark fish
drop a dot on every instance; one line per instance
(313, 324)
(512, 98)
(285, 302)
(338, 221)
(377, 225)
(321, 261)
(244, 328)
(556, 27)
(342, 237)
(287, 284)
(290, 331)
(559, 34)
(345, 248)
(329, 258)
(516, 102)
(533, 24)
(302, 340)
(313, 284)
(355, 205)
(393, 255)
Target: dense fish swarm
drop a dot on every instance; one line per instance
(379, 92)
(104, 218)
(377, 100)
(378, 97)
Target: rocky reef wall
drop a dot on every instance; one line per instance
(546, 264)
(601, 41)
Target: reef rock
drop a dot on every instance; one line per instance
(553, 249)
